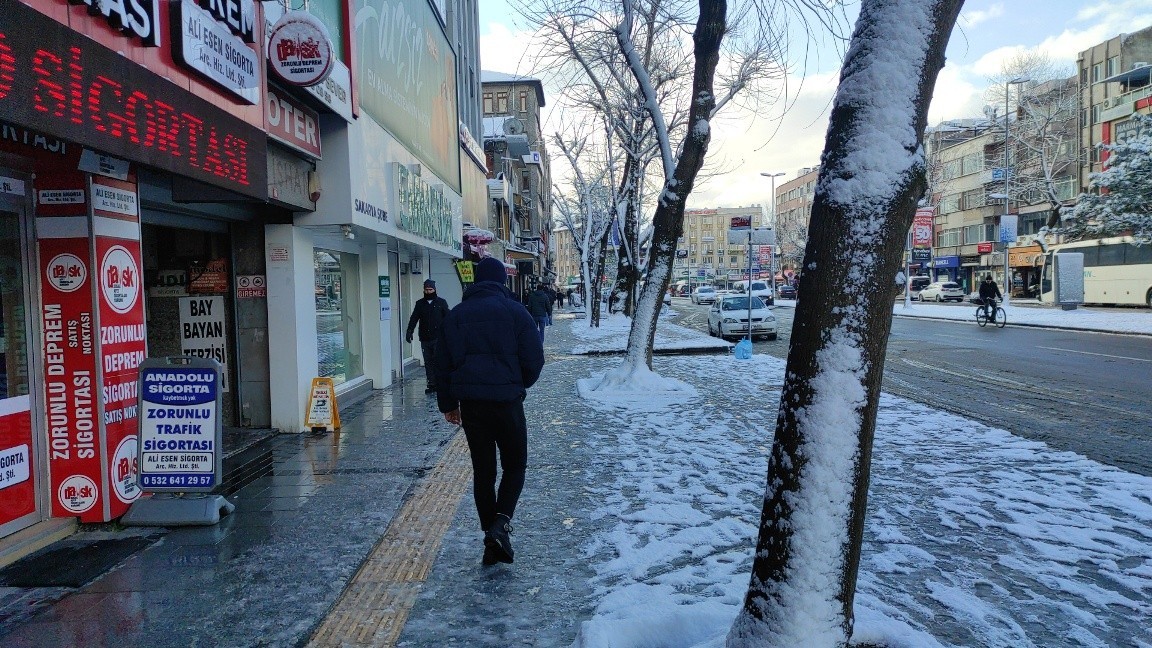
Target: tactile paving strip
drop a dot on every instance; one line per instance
(375, 604)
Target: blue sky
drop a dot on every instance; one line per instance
(988, 32)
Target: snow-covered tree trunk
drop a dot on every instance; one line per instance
(873, 173)
(668, 221)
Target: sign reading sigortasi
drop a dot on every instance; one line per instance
(179, 427)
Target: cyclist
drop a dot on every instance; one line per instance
(989, 293)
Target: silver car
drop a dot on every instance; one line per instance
(728, 317)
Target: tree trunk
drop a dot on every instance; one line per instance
(627, 264)
(804, 573)
(668, 221)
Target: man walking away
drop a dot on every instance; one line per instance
(540, 307)
(429, 312)
(489, 355)
(989, 293)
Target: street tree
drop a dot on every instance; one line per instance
(1119, 201)
(872, 177)
(587, 208)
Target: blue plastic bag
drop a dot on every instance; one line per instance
(743, 349)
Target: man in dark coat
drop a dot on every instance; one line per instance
(429, 312)
(989, 293)
(540, 308)
(489, 356)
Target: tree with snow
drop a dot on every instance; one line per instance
(1120, 198)
(871, 178)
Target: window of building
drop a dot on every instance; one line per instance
(339, 339)
(523, 101)
(948, 238)
(1111, 66)
(972, 198)
(973, 163)
(1096, 73)
(1096, 114)
(487, 103)
(1083, 76)
(974, 234)
(501, 103)
(950, 203)
(952, 169)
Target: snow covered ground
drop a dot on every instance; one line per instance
(974, 537)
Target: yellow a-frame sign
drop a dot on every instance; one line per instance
(323, 412)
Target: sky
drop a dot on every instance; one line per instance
(988, 33)
(974, 537)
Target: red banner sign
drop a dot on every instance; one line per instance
(17, 467)
(984, 248)
(922, 228)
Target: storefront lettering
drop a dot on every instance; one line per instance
(129, 16)
(364, 207)
(239, 15)
(425, 211)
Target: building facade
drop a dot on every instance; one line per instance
(519, 175)
(793, 211)
(183, 193)
(704, 255)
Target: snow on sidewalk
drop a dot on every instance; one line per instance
(974, 537)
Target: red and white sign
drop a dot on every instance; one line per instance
(120, 278)
(250, 286)
(984, 248)
(67, 320)
(17, 478)
(291, 122)
(922, 228)
(299, 49)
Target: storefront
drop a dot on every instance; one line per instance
(94, 145)
(1025, 262)
(945, 268)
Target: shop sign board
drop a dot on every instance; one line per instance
(180, 425)
(290, 122)
(984, 248)
(203, 333)
(251, 286)
(300, 51)
(135, 114)
(17, 479)
(208, 47)
(210, 279)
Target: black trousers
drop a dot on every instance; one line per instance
(493, 427)
(428, 349)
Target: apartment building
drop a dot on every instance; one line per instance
(703, 254)
(793, 211)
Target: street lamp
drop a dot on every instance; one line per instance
(772, 219)
(1007, 196)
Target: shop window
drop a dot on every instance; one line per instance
(339, 339)
(13, 330)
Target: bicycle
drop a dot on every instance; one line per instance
(999, 318)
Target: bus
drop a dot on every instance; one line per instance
(1117, 271)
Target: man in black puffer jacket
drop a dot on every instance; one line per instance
(488, 355)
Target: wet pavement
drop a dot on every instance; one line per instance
(271, 572)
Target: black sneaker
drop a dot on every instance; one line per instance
(496, 540)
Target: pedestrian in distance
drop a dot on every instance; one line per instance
(989, 293)
(429, 313)
(540, 307)
(489, 356)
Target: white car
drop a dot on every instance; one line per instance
(942, 291)
(704, 295)
(760, 289)
(728, 317)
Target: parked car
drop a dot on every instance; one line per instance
(704, 295)
(942, 291)
(786, 291)
(759, 289)
(916, 284)
(728, 317)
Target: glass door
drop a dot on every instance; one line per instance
(22, 465)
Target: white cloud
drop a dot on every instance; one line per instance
(975, 17)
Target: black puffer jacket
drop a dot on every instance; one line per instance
(489, 349)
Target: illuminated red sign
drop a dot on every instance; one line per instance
(984, 248)
(60, 82)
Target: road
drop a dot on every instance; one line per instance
(1077, 391)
